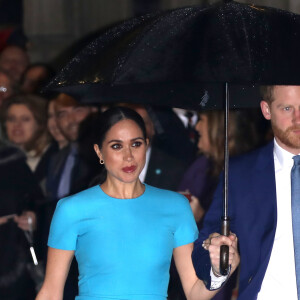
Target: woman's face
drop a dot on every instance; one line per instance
(123, 151)
(20, 124)
(202, 129)
(52, 125)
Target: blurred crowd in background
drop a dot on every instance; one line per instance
(46, 153)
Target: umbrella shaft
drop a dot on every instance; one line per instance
(226, 153)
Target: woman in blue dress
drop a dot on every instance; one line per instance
(123, 233)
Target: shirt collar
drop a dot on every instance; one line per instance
(283, 157)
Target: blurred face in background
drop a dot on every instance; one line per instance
(69, 119)
(14, 61)
(53, 128)
(33, 79)
(21, 126)
(202, 129)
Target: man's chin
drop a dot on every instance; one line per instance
(291, 142)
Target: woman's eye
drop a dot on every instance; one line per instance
(116, 146)
(136, 144)
(287, 108)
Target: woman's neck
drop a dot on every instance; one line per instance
(117, 189)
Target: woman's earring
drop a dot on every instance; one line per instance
(101, 162)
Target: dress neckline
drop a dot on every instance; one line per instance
(124, 199)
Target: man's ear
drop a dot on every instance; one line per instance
(265, 109)
(98, 152)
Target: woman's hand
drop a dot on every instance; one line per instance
(213, 243)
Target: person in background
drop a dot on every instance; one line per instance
(177, 133)
(14, 60)
(201, 178)
(162, 168)
(25, 120)
(35, 77)
(47, 207)
(262, 198)
(68, 173)
(114, 229)
(63, 176)
(20, 196)
(53, 128)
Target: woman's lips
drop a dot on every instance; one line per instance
(129, 169)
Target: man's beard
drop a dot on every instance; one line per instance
(287, 137)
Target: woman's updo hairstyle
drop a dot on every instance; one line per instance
(114, 115)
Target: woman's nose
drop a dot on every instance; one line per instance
(128, 154)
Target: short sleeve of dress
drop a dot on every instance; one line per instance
(63, 230)
(186, 230)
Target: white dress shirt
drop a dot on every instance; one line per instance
(181, 113)
(143, 174)
(280, 279)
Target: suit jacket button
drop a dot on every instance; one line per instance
(250, 279)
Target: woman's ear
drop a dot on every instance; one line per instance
(98, 152)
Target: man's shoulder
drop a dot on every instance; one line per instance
(249, 159)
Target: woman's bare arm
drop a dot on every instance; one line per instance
(193, 287)
(58, 265)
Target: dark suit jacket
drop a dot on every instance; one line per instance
(164, 171)
(19, 191)
(253, 212)
(79, 178)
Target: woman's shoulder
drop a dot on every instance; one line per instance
(83, 197)
(166, 194)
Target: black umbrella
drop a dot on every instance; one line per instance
(190, 57)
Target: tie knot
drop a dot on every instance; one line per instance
(296, 160)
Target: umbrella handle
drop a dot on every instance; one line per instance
(224, 249)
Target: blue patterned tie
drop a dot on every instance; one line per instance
(295, 180)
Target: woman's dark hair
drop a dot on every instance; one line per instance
(114, 115)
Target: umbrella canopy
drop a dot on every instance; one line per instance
(185, 58)
(182, 57)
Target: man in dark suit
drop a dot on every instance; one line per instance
(68, 174)
(260, 208)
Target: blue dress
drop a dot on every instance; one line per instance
(123, 246)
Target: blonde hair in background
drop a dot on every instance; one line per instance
(242, 136)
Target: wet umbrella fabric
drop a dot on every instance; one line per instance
(182, 57)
